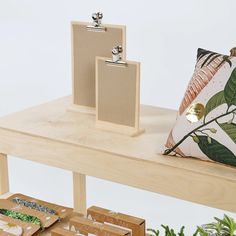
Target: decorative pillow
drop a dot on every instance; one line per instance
(206, 123)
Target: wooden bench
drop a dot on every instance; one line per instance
(52, 135)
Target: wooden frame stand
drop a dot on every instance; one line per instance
(118, 96)
(88, 43)
(69, 140)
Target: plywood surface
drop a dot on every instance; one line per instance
(52, 135)
(117, 92)
(87, 44)
(52, 120)
(4, 180)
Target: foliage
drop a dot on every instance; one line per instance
(221, 227)
(228, 225)
(168, 231)
(154, 232)
(171, 232)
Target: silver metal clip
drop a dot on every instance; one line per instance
(97, 23)
(116, 56)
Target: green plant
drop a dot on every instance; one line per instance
(216, 227)
(200, 231)
(171, 232)
(154, 232)
(168, 231)
(228, 225)
(221, 227)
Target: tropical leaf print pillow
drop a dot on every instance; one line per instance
(206, 123)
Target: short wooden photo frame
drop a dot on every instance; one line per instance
(118, 96)
(86, 45)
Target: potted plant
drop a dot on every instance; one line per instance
(221, 227)
(168, 231)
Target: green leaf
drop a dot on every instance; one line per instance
(216, 151)
(215, 227)
(215, 101)
(230, 90)
(154, 232)
(181, 232)
(168, 231)
(230, 130)
(200, 231)
(228, 225)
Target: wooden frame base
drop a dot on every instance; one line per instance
(121, 129)
(82, 109)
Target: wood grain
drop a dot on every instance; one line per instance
(79, 184)
(87, 44)
(118, 97)
(4, 180)
(51, 135)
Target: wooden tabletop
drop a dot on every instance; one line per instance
(53, 135)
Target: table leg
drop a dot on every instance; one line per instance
(4, 180)
(79, 184)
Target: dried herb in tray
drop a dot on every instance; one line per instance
(20, 216)
(34, 206)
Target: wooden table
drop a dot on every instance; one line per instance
(52, 135)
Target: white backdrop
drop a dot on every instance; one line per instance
(35, 67)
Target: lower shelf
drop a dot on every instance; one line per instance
(64, 223)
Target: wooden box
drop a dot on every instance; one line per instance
(137, 225)
(86, 226)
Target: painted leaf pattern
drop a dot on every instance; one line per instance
(230, 90)
(214, 137)
(217, 100)
(207, 66)
(230, 130)
(216, 151)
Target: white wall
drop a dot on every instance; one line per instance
(163, 35)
